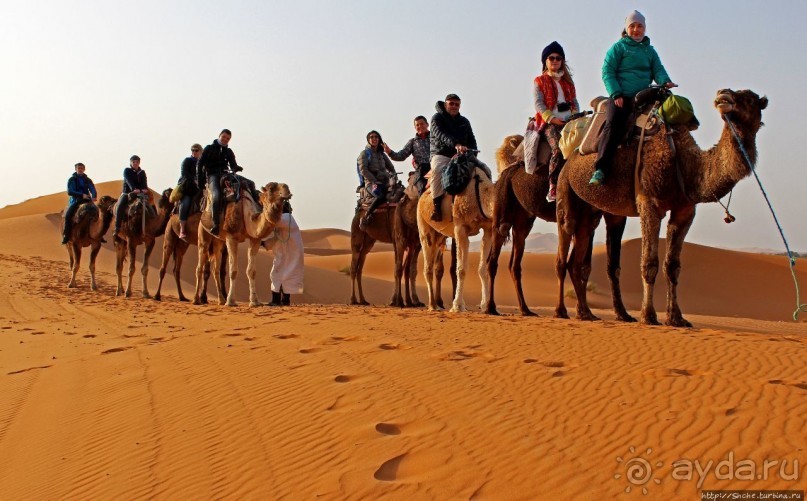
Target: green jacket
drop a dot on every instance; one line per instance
(631, 66)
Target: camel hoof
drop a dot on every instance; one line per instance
(436, 308)
(146, 295)
(157, 297)
(230, 303)
(94, 287)
(562, 314)
(128, 294)
(491, 310)
(417, 304)
(71, 285)
(458, 309)
(624, 317)
(587, 317)
(197, 301)
(678, 322)
(364, 303)
(183, 299)
(528, 313)
(650, 321)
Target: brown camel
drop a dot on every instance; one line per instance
(469, 214)
(397, 226)
(242, 220)
(519, 200)
(140, 229)
(174, 246)
(91, 224)
(671, 181)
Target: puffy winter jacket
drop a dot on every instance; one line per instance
(631, 66)
(448, 131)
(78, 186)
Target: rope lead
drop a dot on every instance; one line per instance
(791, 257)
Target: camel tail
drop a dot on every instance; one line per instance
(502, 199)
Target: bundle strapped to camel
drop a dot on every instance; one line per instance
(457, 174)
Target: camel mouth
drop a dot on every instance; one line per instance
(724, 102)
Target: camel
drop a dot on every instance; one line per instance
(469, 214)
(673, 181)
(174, 246)
(397, 226)
(140, 229)
(92, 223)
(240, 221)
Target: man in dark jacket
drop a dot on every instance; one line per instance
(418, 147)
(134, 181)
(215, 160)
(451, 134)
(81, 190)
(190, 188)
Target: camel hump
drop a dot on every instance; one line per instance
(86, 211)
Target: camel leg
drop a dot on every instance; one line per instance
(145, 269)
(651, 223)
(179, 256)
(204, 256)
(217, 259)
(615, 227)
(439, 272)
(222, 270)
(232, 249)
(493, 269)
(74, 251)
(561, 266)
(406, 275)
(95, 249)
(461, 236)
(677, 228)
(398, 247)
(132, 250)
(580, 262)
(429, 254)
(521, 229)
(168, 251)
(413, 272)
(120, 255)
(452, 271)
(484, 277)
(252, 260)
(359, 252)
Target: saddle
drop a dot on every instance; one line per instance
(232, 187)
(645, 118)
(394, 195)
(86, 210)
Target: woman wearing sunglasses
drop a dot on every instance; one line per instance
(555, 100)
(631, 65)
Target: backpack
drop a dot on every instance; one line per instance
(677, 110)
(457, 175)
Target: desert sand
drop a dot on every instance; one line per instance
(114, 398)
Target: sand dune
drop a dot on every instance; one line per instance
(114, 398)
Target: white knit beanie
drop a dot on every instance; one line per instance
(635, 17)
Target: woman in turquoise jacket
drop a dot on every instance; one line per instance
(631, 65)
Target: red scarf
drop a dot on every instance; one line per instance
(547, 85)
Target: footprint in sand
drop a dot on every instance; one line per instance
(116, 350)
(387, 429)
(529, 360)
(286, 336)
(88, 336)
(29, 369)
(388, 472)
(306, 351)
(343, 379)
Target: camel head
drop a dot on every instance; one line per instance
(165, 200)
(744, 107)
(506, 153)
(106, 203)
(275, 194)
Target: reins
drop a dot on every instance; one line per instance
(791, 257)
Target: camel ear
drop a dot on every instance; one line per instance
(763, 102)
(263, 189)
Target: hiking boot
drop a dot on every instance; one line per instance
(552, 195)
(276, 299)
(285, 299)
(598, 178)
(65, 239)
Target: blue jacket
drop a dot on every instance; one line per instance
(78, 186)
(631, 66)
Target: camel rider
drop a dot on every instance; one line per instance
(631, 64)
(190, 188)
(418, 147)
(451, 134)
(217, 158)
(81, 190)
(377, 170)
(134, 181)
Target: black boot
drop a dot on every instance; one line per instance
(285, 299)
(276, 299)
(437, 214)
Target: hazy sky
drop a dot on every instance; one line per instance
(300, 84)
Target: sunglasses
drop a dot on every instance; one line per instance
(196, 151)
(555, 58)
(452, 103)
